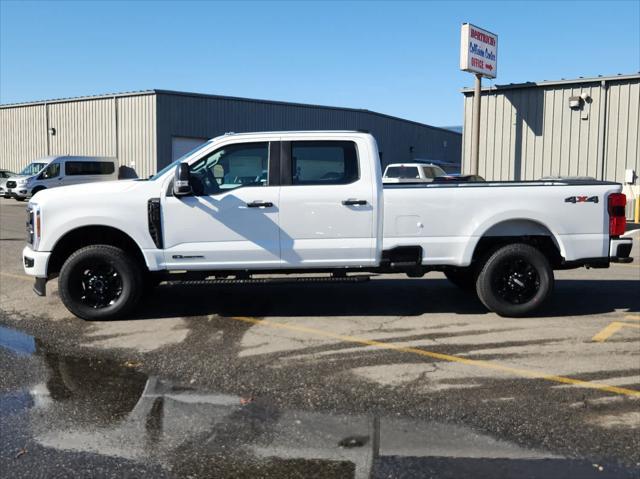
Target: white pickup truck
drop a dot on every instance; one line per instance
(291, 202)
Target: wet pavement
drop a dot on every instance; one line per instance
(72, 416)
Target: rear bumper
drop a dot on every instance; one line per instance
(620, 250)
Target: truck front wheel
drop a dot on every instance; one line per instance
(100, 282)
(515, 280)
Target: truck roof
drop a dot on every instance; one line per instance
(298, 132)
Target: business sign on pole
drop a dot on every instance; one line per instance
(478, 51)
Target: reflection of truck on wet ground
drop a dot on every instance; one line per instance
(121, 419)
(320, 208)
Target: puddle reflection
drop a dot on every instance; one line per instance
(104, 407)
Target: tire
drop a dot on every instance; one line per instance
(463, 278)
(36, 190)
(515, 280)
(100, 282)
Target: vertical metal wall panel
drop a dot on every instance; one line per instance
(205, 117)
(529, 131)
(136, 120)
(23, 136)
(623, 109)
(83, 127)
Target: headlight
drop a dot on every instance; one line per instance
(22, 181)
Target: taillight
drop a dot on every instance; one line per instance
(617, 218)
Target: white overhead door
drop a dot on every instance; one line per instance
(180, 145)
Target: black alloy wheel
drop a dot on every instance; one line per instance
(100, 282)
(98, 285)
(515, 280)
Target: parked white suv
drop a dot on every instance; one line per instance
(55, 171)
(411, 173)
(314, 202)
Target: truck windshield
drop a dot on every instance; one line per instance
(402, 172)
(173, 164)
(32, 169)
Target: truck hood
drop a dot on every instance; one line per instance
(86, 191)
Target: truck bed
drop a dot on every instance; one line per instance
(448, 219)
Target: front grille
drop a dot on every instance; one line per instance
(11, 184)
(29, 225)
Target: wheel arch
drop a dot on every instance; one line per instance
(519, 230)
(90, 235)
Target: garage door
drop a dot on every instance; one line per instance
(180, 145)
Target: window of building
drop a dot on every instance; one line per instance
(324, 162)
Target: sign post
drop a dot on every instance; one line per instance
(478, 55)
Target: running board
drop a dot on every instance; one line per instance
(318, 279)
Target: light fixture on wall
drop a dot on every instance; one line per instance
(577, 102)
(52, 131)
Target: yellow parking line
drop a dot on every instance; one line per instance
(611, 329)
(443, 357)
(607, 332)
(17, 276)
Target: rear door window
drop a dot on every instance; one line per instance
(324, 163)
(75, 168)
(404, 172)
(428, 172)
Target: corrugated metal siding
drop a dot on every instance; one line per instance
(191, 116)
(23, 136)
(136, 119)
(623, 129)
(121, 126)
(83, 128)
(528, 133)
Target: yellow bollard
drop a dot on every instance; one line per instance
(636, 215)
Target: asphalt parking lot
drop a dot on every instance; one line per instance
(394, 377)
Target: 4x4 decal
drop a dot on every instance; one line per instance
(581, 199)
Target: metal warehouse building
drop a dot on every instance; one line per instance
(146, 130)
(584, 127)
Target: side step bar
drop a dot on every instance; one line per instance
(309, 279)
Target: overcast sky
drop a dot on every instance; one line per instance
(399, 58)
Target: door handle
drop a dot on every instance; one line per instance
(352, 202)
(260, 204)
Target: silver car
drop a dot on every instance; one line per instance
(4, 176)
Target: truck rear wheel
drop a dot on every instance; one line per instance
(100, 282)
(515, 280)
